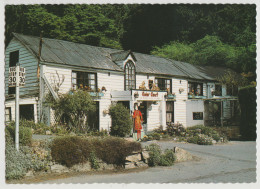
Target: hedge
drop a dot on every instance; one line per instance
(247, 100)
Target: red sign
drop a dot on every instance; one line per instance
(152, 94)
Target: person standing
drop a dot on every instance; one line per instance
(138, 119)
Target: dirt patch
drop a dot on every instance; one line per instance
(42, 177)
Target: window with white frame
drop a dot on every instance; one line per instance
(8, 115)
(84, 80)
(130, 79)
(195, 88)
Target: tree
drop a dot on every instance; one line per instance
(72, 109)
(121, 120)
(210, 51)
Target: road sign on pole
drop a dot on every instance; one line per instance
(12, 76)
(16, 79)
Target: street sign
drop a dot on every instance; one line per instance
(12, 76)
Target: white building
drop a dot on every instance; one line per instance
(67, 65)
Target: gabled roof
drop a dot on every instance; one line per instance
(76, 54)
(122, 55)
(69, 53)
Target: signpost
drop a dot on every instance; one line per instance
(16, 79)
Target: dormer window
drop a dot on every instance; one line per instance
(129, 75)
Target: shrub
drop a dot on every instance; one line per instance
(73, 108)
(157, 158)
(175, 129)
(93, 161)
(204, 140)
(73, 150)
(25, 134)
(247, 100)
(114, 150)
(121, 120)
(200, 129)
(193, 139)
(156, 136)
(19, 162)
(154, 154)
(168, 158)
(70, 150)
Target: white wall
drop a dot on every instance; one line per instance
(55, 75)
(194, 106)
(114, 82)
(181, 97)
(153, 116)
(22, 101)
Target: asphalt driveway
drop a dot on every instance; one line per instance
(234, 162)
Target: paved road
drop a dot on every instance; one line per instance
(230, 163)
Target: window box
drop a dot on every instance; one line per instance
(171, 96)
(96, 94)
(196, 97)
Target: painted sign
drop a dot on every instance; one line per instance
(12, 76)
(149, 95)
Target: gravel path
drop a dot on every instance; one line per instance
(230, 163)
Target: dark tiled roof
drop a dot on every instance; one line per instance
(75, 54)
(69, 53)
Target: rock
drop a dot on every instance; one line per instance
(48, 132)
(29, 174)
(81, 167)
(130, 165)
(141, 164)
(182, 155)
(104, 166)
(134, 158)
(57, 168)
(145, 156)
(214, 142)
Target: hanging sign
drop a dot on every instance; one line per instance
(12, 76)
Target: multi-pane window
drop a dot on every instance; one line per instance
(8, 116)
(195, 88)
(169, 111)
(163, 83)
(129, 75)
(84, 80)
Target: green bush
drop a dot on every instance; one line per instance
(168, 158)
(19, 162)
(193, 139)
(121, 120)
(72, 108)
(73, 150)
(154, 154)
(114, 150)
(70, 150)
(157, 158)
(247, 100)
(175, 129)
(93, 161)
(25, 134)
(204, 140)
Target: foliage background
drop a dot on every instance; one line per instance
(218, 35)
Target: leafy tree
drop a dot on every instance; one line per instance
(73, 109)
(210, 51)
(121, 120)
